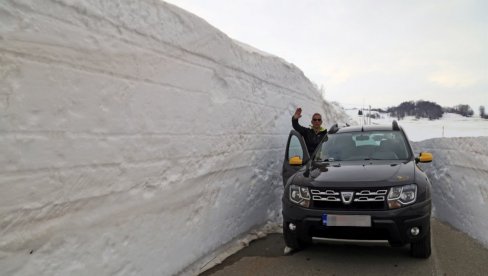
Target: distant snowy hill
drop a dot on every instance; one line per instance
(450, 125)
(136, 139)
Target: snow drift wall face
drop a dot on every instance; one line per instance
(459, 182)
(134, 137)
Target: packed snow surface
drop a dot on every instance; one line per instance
(135, 138)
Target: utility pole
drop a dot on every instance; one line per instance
(363, 120)
(360, 115)
(369, 115)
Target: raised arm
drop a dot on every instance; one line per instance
(295, 124)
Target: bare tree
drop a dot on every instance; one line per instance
(482, 112)
(419, 109)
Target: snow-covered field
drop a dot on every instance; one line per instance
(450, 125)
(136, 139)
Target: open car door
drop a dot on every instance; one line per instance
(296, 155)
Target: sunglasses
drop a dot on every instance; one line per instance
(318, 120)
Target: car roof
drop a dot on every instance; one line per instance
(363, 128)
(392, 127)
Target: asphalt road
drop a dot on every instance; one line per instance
(453, 253)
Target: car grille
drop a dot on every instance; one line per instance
(362, 199)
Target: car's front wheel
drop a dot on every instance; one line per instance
(422, 247)
(291, 239)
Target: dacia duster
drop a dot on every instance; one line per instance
(362, 183)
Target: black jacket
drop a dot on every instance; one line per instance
(311, 138)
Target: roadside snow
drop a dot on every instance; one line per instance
(136, 139)
(459, 174)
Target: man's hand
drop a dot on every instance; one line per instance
(298, 113)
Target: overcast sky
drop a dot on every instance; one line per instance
(371, 52)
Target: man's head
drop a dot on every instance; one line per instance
(316, 120)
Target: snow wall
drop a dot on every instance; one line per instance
(135, 138)
(459, 177)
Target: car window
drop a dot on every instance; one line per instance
(372, 145)
(295, 148)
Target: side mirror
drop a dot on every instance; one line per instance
(295, 161)
(424, 157)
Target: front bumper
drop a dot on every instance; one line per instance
(392, 225)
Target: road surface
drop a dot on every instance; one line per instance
(453, 253)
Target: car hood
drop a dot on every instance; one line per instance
(367, 174)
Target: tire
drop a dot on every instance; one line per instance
(291, 240)
(421, 248)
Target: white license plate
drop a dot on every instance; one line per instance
(346, 220)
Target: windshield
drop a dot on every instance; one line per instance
(368, 145)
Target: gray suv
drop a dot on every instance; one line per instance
(361, 183)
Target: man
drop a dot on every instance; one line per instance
(312, 136)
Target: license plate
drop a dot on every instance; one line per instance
(346, 220)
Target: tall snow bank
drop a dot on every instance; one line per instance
(135, 139)
(459, 176)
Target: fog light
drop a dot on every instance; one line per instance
(414, 231)
(292, 226)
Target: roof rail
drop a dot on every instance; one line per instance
(395, 125)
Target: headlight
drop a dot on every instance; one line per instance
(300, 195)
(402, 195)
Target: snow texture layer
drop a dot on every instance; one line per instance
(459, 174)
(135, 139)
